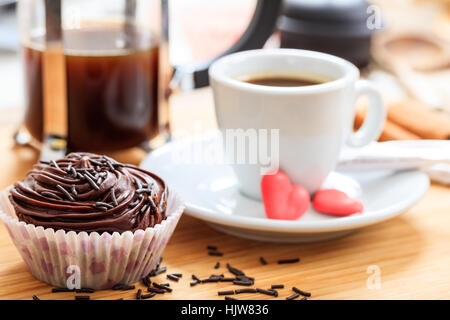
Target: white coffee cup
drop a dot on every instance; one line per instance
(314, 121)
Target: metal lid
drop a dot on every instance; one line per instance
(327, 10)
(326, 17)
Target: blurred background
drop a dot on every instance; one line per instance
(402, 45)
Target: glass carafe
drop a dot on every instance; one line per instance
(116, 67)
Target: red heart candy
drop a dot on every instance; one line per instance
(281, 199)
(335, 202)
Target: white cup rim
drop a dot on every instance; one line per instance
(216, 71)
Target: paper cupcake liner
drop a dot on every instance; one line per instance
(100, 260)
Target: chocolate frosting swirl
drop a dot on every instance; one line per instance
(88, 192)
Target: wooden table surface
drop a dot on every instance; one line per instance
(412, 251)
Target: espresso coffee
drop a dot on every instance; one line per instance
(285, 81)
(112, 88)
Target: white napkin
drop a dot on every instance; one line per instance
(440, 173)
(432, 156)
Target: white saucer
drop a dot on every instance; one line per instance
(211, 194)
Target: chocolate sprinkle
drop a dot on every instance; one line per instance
(159, 262)
(56, 290)
(97, 163)
(82, 298)
(194, 283)
(158, 271)
(138, 294)
(54, 164)
(66, 193)
(50, 195)
(242, 283)
(91, 182)
(156, 290)
(134, 203)
(285, 261)
(148, 296)
(230, 298)
(73, 189)
(215, 253)
(85, 290)
(301, 292)
(249, 290)
(216, 277)
(143, 190)
(146, 281)
(212, 248)
(137, 183)
(74, 172)
(266, 292)
(152, 203)
(162, 286)
(277, 286)
(88, 174)
(103, 204)
(262, 260)
(217, 265)
(144, 208)
(36, 298)
(294, 296)
(109, 164)
(275, 292)
(245, 278)
(209, 280)
(235, 271)
(225, 293)
(113, 197)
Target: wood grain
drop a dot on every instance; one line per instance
(412, 251)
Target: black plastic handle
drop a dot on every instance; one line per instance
(255, 36)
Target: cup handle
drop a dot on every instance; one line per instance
(373, 124)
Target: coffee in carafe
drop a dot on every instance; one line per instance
(112, 88)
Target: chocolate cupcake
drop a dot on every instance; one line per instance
(110, 220)
(91, 193)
